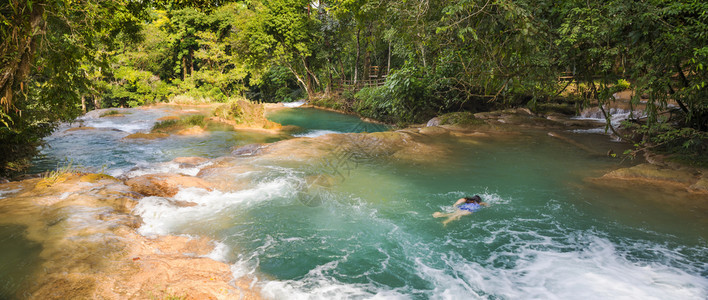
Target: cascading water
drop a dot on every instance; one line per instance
(616, 114)
(548, 233)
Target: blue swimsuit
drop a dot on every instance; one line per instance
(473, 207)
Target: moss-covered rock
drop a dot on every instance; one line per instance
(188, 125)
(93, 178)
(459, 118)
(52, 180)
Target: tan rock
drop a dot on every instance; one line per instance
(164, 185)
(90, 249)
(80, 128)
(434, 130)
(701, 185)
(146, 136)
(194, 130)
(169, 118)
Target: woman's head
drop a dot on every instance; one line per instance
(475, 199)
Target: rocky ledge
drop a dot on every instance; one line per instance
(91, 250)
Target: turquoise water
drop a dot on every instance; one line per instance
(20, 258)
(316, 122)
(549, 232)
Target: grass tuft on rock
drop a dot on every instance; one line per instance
(172, 125)
(112, 113)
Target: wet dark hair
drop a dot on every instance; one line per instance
(475, 199)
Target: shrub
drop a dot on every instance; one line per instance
(243, 112)
(686, 145)
(622, 85)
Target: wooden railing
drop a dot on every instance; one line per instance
(359, 83)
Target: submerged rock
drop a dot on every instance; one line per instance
(190, 161)
(434, 130)
(691, 180)
(248, 150)
(355, 148)
(164, 185)
(652, 173)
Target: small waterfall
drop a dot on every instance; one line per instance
(293, 104)
(617, 114)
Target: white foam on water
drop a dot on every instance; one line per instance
(617, 115)
(166, 167)
(597, 272)
(221, 252)
(3, 192)
(536, 266)
(325, 288)
(315, 133)
(293, 104)
(600, 130)
(160, 216)
(132, 127)
(318, 285)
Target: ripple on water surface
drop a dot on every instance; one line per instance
(547, 233)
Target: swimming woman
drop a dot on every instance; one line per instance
(466, 206)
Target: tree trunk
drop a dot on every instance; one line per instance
(341, 69)
(388, 67)
(302, 81)
(356, 62)
(23, 46)
(367, 54)
(422, 54)
(83, 103)
(191, 62)
(184, 67)
(96, 103)
(328, 88)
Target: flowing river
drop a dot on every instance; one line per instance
(549, 232)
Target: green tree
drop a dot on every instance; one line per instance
(43, 46)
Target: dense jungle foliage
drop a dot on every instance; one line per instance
(60, 57)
